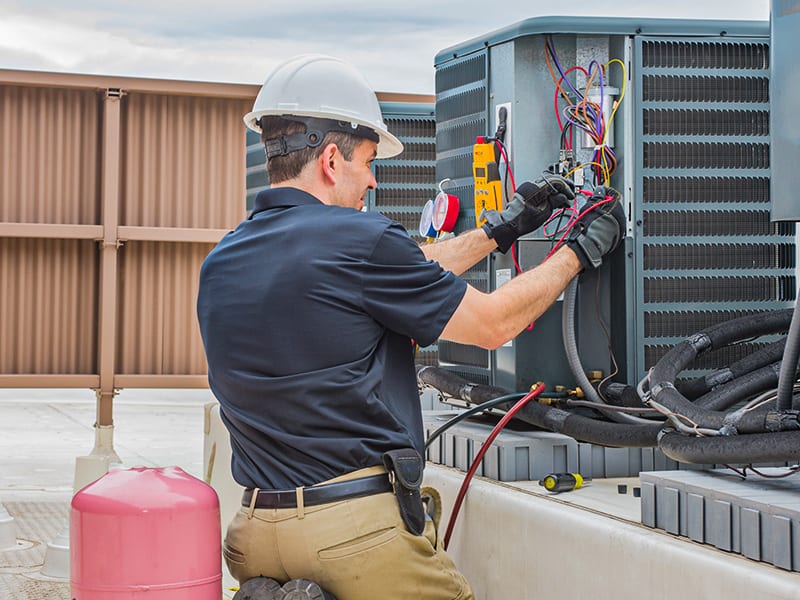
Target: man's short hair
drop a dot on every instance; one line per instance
(289, 166)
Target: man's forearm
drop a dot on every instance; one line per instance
(461, 252)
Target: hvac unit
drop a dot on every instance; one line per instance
(690, 137)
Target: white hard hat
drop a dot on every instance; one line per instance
(323, 87)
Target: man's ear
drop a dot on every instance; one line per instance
(327, 161)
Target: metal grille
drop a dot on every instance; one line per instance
(685, 323)
(705, 189)
(705, 122)
(407, 181)
(719, 289)
(705, 155)
(457, 74)
(705, 88)
(712, 360)
(461, 354)
(706, 249)
(708, 223)
(719, 256)
(402, 173)
(461, 116)
(705, 54)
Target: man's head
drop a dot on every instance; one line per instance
(315, 109)
(280, 135)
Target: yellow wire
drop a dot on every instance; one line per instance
(621, 95)
(596, 164)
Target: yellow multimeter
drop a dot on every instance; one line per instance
(486, 174)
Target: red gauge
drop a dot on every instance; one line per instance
(445, 212)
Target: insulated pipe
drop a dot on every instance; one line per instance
(571, 350)
(548, 417)
(741, 388)
(789, 364)
(761, 358)
(590, 430)
(456, 386)
(683, 354)
(743, 449)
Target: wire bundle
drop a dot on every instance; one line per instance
(582, 113)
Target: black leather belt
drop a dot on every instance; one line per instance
(320, 494)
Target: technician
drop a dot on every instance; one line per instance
(308, 310)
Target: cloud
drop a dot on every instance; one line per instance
(394, 44)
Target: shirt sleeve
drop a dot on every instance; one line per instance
(407, 293)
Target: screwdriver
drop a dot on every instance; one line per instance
(563, 482)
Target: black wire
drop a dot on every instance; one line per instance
(472, 411)
(792, 471)
(743, 472)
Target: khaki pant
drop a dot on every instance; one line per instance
(356, 549)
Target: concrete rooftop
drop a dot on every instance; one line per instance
(41, 433)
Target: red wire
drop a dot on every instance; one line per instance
(566, 229)
(495, 432)
(514, 257)
(574, 221)
(555, 102)
(513, 189)
(508, 167)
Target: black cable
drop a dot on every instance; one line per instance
(791, 356)
(731, 449)
(663, 375)
(472, 411)
(581, 428)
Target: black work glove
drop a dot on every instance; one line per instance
(532, 205)
(599, 231)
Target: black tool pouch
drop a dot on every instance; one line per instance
(405, 470)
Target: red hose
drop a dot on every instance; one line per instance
(538, 389)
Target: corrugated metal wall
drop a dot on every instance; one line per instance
(182, 161)
(156, 323)
(49, 150)
(48, 311)
(112, 192)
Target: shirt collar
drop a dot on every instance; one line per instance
(282, 198)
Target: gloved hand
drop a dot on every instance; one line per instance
(532, 205)
(599, 231)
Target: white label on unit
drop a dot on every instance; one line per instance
(502, 277)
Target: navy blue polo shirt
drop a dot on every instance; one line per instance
(307, 312)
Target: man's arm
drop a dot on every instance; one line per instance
(490, 320)
(529, 209)
(459, 253)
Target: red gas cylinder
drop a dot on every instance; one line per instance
(145, 533)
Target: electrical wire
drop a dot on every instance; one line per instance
(584, 114)
(612, 407)
(484, 406)
(538, 389)
(596, 205)
(743, 472)
(509, 171)
(607, 333)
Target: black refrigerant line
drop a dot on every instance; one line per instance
(763, 434)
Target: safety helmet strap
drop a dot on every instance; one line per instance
(316, 129)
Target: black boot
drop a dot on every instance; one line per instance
(260, 588)
(303, 589)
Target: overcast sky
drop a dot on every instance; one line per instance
(392, 43)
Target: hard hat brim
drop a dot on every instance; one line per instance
(388, 145)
